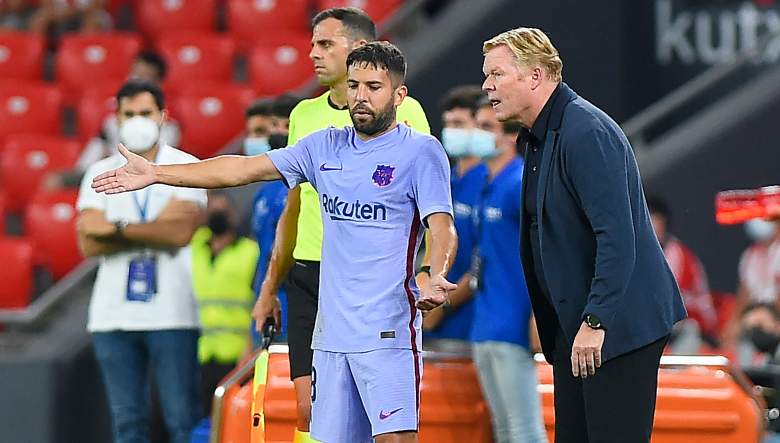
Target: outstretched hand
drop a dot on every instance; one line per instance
(437, 293)
(137, 173)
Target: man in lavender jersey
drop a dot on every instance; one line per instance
(377, 183)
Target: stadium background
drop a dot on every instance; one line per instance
(692, 81)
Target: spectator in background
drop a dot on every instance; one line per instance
(503, 327)
(60, 16)
(692, 281)
(143, 316)
(453, 321)
(148, 66)
(223, 268)
(759, 273)
(258, 127)
(268, 205)
(14, 15)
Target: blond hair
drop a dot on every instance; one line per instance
(531, 47)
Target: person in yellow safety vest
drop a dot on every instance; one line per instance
(223, 268)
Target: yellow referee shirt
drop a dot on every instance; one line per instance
(313, 115)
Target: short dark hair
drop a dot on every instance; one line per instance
(134, 87)
(154, 59)
(464, 96)
(284, 104)
(381, 55)
(261, 107)
(761, 305)
(656, 205)
(357, 23)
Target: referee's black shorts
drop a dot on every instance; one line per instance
(303, 282)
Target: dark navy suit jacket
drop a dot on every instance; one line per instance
(599, 252)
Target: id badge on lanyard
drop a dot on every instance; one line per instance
(142, 271)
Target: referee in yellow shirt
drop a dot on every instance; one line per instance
(298, 244)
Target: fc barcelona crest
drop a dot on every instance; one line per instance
(383, 175)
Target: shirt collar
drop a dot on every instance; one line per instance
(539, 129)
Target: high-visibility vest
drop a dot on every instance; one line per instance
(223, 289)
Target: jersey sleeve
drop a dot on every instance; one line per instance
(411, 114)
(431, 181)
(296, 163)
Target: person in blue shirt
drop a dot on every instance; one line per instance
(503, 329)
(453, 320)
(270, 199)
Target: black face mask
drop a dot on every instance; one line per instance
(277, 141)
(763, 341)
(219, 223)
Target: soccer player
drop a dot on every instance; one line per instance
(298, 243)
(377, 183)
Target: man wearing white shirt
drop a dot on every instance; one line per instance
(143, 316)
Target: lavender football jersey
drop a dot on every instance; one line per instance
(374, 196)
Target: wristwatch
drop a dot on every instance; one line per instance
(119, 227)
(593, 322)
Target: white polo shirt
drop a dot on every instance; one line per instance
(174, 305)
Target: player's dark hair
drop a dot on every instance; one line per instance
(380, 55)
(357, 23)
(464, 96)
(154, 59)
(284, 104)
(135, 87)
(261, 107)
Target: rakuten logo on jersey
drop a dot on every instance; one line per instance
(340, 210)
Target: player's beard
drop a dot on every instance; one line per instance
(378, 123)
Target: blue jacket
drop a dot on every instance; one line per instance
(599, 253)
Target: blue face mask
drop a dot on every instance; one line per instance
(455, 141)
(482, 144)
(256, 145)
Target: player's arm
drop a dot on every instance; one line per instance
(444, 245)
(218, 172)
(281, 261)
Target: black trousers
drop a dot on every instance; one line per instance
(616, 405)
(303, 287)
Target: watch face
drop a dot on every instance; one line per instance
(593, 321)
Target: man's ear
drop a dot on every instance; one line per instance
(400, 94)
(358, 43)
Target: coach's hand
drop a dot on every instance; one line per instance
(267, 305)
(586, 351)
(437, 292)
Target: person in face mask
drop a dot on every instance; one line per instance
(503, 331)
(760, 324)
(268, 205)
(258, 127)
(223, 267)
(142, 315)
(451, 325)
(759, 272)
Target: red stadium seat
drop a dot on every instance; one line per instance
(50, 221)
(197, 56)
(156, 17)
(27, 158)
(29, 107)
(95, 104)
(378, 10)
(249, 20)
(2, 213)
(21, 56)
(210, 116)
(280, 64)
(16, 272)
(86, 59)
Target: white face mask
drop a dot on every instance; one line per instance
(139, 134)
(760, 230)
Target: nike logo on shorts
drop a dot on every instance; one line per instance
(384, 415)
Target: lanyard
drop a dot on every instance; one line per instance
(144, 208)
